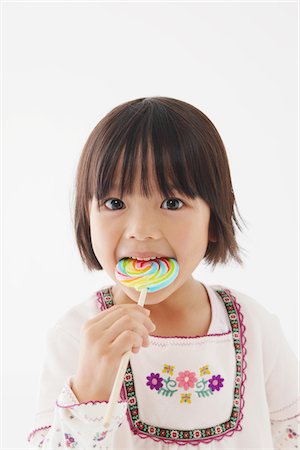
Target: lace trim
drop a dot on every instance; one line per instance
(196, 436)
(36, 430)
(182, 342)
(84, 403)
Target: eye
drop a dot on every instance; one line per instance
(172, 202)
(114, 202)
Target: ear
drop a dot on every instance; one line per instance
(212, 236)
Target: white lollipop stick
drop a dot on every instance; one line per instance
(115, 393)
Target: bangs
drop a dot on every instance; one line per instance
(158, 146)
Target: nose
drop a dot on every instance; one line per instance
(143, 225)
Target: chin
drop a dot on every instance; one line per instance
(152, 298)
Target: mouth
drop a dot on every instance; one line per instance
(148, 258)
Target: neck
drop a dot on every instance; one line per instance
(191, 295)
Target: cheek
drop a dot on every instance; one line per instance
(104, 238)
(191, 235)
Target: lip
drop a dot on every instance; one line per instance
(145, 255)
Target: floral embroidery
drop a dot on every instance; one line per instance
(185, 398)
(204, 370)
(196, 435)
(99, 437)
(215, 383)
(154, 381)
(186, 380)
(168, 369)
(291, 434)
(70, 441)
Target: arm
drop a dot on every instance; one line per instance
(286, 433)
(61, 420)
(282, 388)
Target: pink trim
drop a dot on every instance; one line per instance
(238, 427)
(242, 329)
(85, 403)
(35, 431)
(100, 301)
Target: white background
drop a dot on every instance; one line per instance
(67, 64)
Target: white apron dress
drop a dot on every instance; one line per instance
(219, 391)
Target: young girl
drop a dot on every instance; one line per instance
(210, 367)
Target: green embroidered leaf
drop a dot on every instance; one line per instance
(166, 392)
(204, 393)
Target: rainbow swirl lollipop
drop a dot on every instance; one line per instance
(153, 275)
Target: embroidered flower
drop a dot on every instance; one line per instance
(216, 382)
(291, 434)
(238, 379)
(186, 379)
(236, 402)
(204, 370)
(168, 369)
(154, 381)
(139, 424)
(218, 429)
(227, 425)
(70, 441)
(128, 377)
(196, 434)
(132, 400)
(185, 398)
(100, 436)
(174, 434)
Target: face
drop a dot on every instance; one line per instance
(173, 227)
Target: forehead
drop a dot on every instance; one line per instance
(148, 166)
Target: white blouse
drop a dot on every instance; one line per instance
(234, 388)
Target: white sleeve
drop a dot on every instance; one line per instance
(61, 421)
(286, 433)
(282, 374)
(282, 377)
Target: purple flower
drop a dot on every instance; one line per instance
(154, 381)
(215, 383)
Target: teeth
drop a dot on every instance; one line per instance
(143, 259)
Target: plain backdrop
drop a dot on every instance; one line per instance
(66, 65)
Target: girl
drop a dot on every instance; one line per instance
(210, 367)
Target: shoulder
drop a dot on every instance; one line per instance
(252, 309)
(72, 320)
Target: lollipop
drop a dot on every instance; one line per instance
(153, 275)
(144, 276)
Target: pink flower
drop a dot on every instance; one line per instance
(186, 379)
